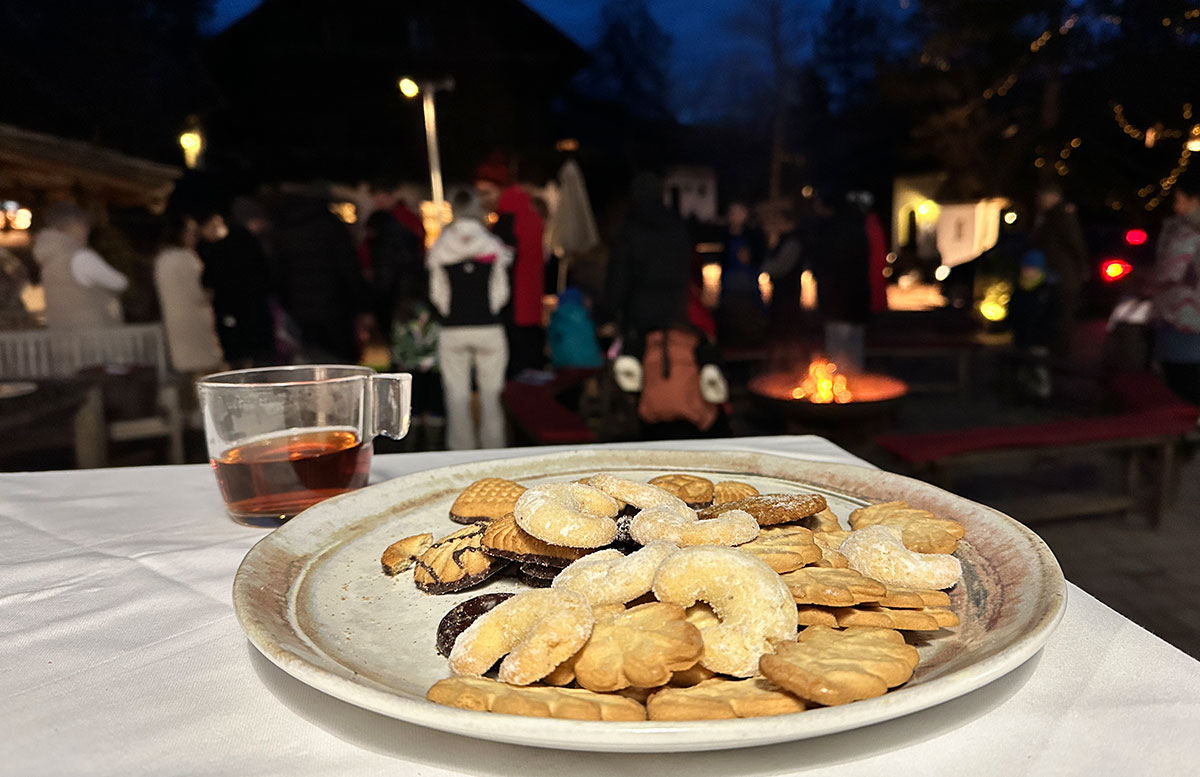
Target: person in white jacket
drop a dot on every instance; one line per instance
(82, 290)
(468, 285)
(186, 309)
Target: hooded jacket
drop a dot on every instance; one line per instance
(468, 274)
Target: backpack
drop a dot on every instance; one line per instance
(671, 381)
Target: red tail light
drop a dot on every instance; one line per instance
(1114, 269)
(1136, 237)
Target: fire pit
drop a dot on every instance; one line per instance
(821, 398)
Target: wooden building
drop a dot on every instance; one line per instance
(310, 87)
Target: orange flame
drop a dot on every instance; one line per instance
(823, 384)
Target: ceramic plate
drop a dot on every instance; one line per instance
(312, 597)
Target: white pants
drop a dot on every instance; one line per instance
(459, 349)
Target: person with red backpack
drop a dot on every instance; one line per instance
(665, 356)
(1175, 294)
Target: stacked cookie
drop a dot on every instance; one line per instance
(679, 598)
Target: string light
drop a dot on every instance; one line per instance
(1166, 184)
(1123, 123)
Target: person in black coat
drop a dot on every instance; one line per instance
(1034, 312)
(840, 267)
(397, 275)
(320, 285)
(741, 314)
(237, 273)
(650, 259)
(785, 264)
(1057, 234)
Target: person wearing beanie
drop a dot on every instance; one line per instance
(1034, 312)
(520, 227)
(468, 285)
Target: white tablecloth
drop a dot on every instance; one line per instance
(120, 655)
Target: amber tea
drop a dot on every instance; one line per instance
(266, 481)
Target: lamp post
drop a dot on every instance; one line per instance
(410, 89)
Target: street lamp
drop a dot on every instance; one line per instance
(410, 89)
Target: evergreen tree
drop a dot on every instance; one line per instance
(630, 63)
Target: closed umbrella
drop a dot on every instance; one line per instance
(573, 227)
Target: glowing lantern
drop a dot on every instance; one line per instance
(994, 306)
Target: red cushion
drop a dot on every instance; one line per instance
(932, 446)
(1146, 391)
(542, 417)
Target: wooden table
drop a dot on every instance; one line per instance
(59, 413)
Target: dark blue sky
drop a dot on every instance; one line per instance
(692, 21)
(702, 44)
(696, 26)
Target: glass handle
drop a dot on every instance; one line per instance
(391, 405)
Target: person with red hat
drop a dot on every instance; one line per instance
(520, 227)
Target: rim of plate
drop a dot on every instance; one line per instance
(276, 634)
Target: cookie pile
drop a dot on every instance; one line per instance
(678, 599)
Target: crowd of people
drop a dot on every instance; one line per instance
(836, 238)
(283, 280)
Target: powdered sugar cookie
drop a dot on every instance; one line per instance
(567, 514)
(753, 604)
(609, 577)
(534, 631)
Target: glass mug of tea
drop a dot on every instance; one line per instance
(281, 439)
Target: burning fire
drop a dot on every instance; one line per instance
(823, 384)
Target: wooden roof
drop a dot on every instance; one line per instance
(34, 165)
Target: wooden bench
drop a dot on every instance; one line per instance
(936, 455)
(951, 353)
(536, 415)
